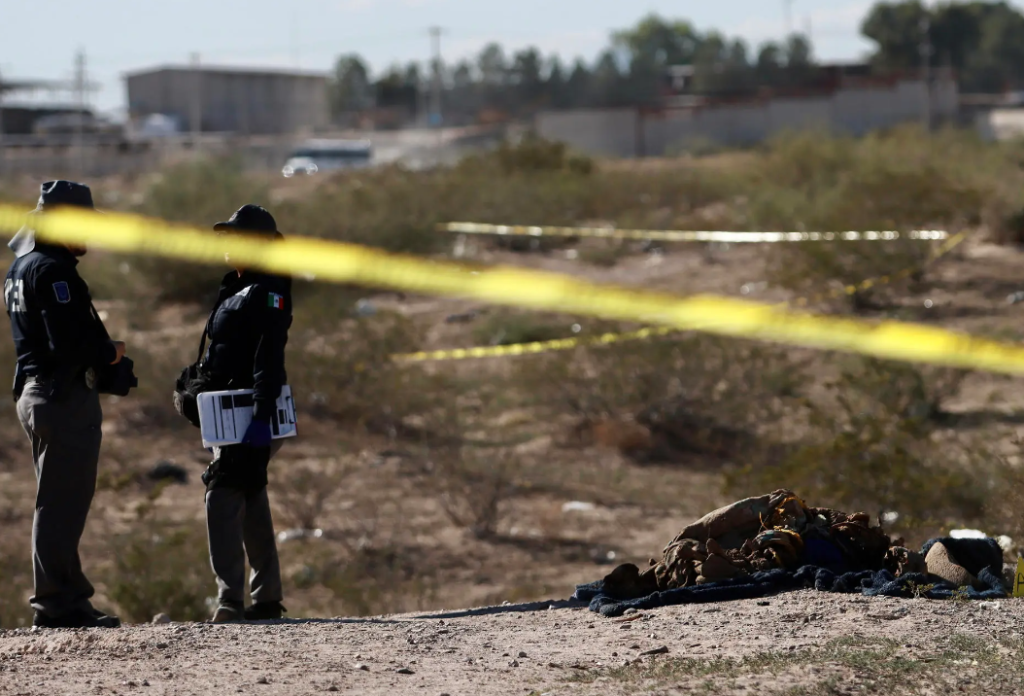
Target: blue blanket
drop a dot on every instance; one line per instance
(981, 557)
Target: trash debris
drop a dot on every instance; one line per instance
(572, 254)
(753, 288)
(578, 506)
(462, 318)
(293, 534)
(161, 619)
(168, 471)
(989, 605)
(1005, 542)
(1016, 297)
(365, 308)
(890, 517)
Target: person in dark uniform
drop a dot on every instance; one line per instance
(248, 331)
(61, 346)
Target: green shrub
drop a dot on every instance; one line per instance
(161, 567)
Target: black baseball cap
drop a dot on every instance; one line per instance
(53, 194)
(249, 218)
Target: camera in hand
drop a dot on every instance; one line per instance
(117, 379)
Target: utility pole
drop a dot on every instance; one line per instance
(3, 152)
(435, 118)
(926, 71)
(196, 125)
(80, 99)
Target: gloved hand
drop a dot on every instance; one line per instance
(258, 434)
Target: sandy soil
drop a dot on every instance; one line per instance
(540, 648)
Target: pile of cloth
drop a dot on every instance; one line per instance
(775, 542)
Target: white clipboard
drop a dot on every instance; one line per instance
(224, 416)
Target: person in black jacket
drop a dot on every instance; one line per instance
(248, 332)
(62, 348)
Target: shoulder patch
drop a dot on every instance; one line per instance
(62, 291)
(275, 301)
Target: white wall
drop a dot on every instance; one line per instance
(852, 111)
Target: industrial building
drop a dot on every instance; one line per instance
(231, 100)
(851, 104)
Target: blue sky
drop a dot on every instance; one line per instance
(118, 35)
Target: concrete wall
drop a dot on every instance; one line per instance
(625, 133)
(232, 101)
(1000, 124)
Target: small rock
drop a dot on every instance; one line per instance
(168, 471)
(362, 667)
(262, 680)
(513, 663)
(145, 682)
(655, 651)
(763, 604)
(161, 619)
(332, 687)
(161, 646)
(629, 611)
(522, 654)
(404, 670)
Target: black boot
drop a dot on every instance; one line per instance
(79, 618)
(265, 611)
(229, 612)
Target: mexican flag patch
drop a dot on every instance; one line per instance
(275, 301)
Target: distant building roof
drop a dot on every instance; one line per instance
(229, 70)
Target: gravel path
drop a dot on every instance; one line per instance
(525, 649)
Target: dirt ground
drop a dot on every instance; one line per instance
(799, 643)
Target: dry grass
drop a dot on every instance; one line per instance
(398, 462)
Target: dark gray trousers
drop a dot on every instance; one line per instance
(65, 436)
(239, 524)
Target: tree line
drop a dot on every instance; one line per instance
(981, 41)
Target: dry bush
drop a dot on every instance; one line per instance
(15, 559)
(507, 327)
(876, 443)
(161, 567)
(346, 371)
(370, 581)
(901, 180)
(686, 387)
(301, 492)
(474, 484)
(201, 193)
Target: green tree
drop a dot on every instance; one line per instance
(350, 89)
(981, 41)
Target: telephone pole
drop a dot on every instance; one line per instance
(926, 69)
(80, 84)
(3, 153)
(435, 118)
(196, 125)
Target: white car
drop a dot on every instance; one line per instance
(299, 165)
(328, 155)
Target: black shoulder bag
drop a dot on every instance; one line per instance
(192, 382)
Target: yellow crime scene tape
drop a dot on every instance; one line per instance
(558, 344)
(688, 235)
(346, 263)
